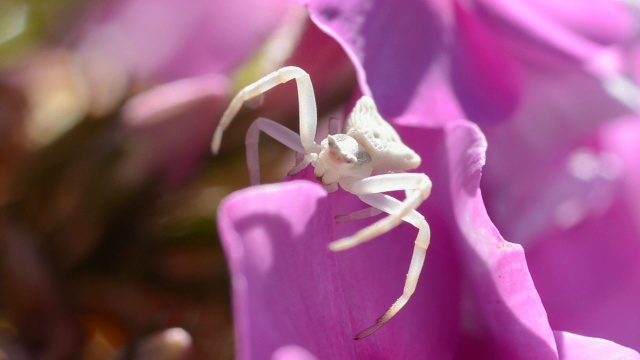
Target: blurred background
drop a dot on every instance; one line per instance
(108, 192)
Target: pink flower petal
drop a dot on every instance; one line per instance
(586, 267)
(576, 347)
(502, 289)
(602, 21)
(169, 127)
(283, 274)
(167, 39)
(534, 34)
(553, 183)
(485, 78)
(378, 41)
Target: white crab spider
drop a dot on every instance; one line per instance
(367, 159)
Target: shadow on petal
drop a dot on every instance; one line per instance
(284, 277)
(484, 77)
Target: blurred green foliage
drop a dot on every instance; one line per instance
(25, 24)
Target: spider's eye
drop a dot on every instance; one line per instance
(331, 142)
(350, 159)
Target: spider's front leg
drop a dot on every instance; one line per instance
(277, 131)
(369, 190)
(306, 102)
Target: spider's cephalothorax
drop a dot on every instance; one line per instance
(368, 145)
(341, 157)
(367, 159)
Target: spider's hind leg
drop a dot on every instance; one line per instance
(417, 188)
(391, 206)
(359, 214)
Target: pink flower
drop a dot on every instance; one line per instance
(559, 184)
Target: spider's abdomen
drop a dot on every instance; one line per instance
(383, 144)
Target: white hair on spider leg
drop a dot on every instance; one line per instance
(367, 159)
